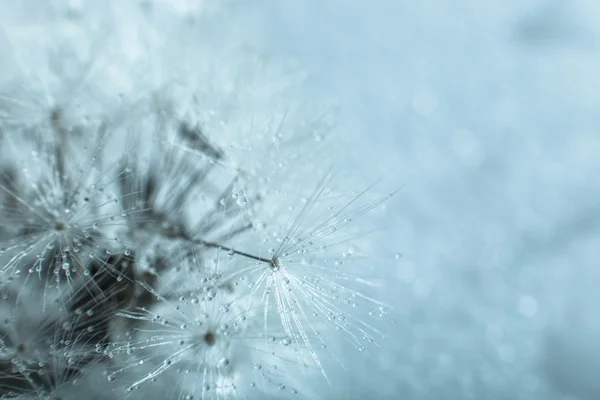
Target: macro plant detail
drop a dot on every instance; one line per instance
(169, 229)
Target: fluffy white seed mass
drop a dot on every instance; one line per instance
(172, 221)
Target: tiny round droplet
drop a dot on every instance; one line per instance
(223, 362)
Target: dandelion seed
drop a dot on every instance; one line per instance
(52, 222)
(305, 291)
(211, 342)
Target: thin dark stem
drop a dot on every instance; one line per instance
(273, 262)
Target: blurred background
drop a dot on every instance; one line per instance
(489, 112)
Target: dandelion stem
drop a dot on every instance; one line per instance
(274, 262)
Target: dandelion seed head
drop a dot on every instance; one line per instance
(153, 195)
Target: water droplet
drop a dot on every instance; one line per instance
(223, 362)
(286, 341)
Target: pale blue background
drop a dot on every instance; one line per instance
(489, 111)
